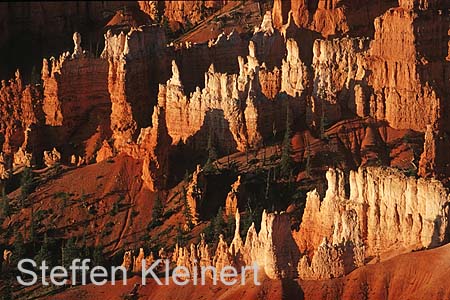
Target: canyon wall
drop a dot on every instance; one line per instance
(332, 17)
(136, 61)
(240, 110)
(385, 213)
(20, 108)
(76, 102)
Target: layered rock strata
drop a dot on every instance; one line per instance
(76, 97)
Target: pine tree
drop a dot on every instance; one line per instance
(219, 223)
(115, 209)
(32, 227)
(187, 213)
(212, 155)
(44, 253)
(308, 161)
(18, 248)
(85, 251)
(230, 226)
(6, 207)
(158, 210)
(181, 236)
(97, 256)
(286, 159)
(26, 185)
(69, 252)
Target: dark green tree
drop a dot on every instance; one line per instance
(181, 236)
(158, 210)
(212, 155)
(32, 227)
(44, 253)
(18, 248)
(69, 252)
(219, 223)
(187, 210)
(6, 206)
(286, 154)
(230, 227)
(97, 256)
(26, 185)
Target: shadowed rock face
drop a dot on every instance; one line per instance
(31, 31)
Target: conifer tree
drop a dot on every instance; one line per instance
(286, 159)
(6, 206)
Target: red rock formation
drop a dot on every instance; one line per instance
(231, 203)
(331, 17)
(134, 72)
(337, 81)
(235, 125)
(153, 144)
(386, 212)
(188, 13)
(76, 98)
(20, 110)
(104, 152)
(407, 93)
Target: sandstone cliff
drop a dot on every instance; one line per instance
(385, 213)
(76, 98)
(135, 67)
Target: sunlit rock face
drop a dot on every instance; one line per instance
(135, 60)
(384, 212)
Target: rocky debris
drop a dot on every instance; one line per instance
(231, 203)
(385, 211)
(105, 152)
(51, 157)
